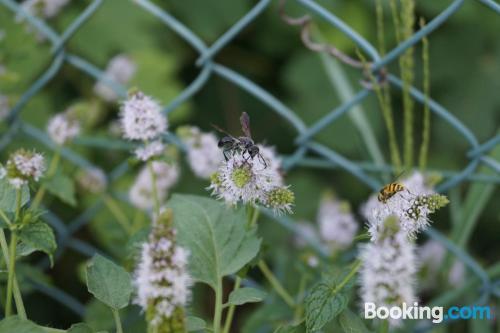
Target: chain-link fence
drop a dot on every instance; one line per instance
(305, 134)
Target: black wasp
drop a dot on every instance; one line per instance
(243, 144)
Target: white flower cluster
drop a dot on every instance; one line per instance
(63, 127)
(203, 154)
(24, 166)
(337, 225)
(161, 278)
(120, 69)
(4, 107)
(141, 118)
(44, 8)
(252, 180)
(141, 193)
(92, 180)
(431, 256)
(149, 150)
(389, 262)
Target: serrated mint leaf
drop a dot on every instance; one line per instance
(15, 324)
(352, 323)
(108, 282)
(216, 235)
(8, 196)
(38, 236)
(195, 324)
(322, 305)
(246, 295)
(62, 187)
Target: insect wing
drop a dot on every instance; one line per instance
(245, 124)
(221, 130)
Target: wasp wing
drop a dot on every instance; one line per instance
(221, 130)
(245, 124)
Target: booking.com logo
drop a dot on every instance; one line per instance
(436, 313)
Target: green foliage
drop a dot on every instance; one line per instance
(108, 282)
(82, 328)
(15, 324)
(8, 196)
(62, 187)
(195, 324)
(352, 323)
(323, 304)
(217, 236)
(246, 295)
(38, 236)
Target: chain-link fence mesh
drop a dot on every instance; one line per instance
(305, 134)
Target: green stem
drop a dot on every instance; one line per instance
(232, 307)
(299, 310)
(218, 307)
(427, 114)
(120, 217)
(276, 284)
(11, 268)
(355, 268)
(156, 200)
(50, 172)
(118, 323)
(5, 218)
(17, 293)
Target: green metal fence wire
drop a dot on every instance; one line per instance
(328, 158)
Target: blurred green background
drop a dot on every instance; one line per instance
(465, 78)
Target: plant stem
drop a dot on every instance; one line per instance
(427, 114)
(156, 200)
(276, 284)
(118, 323)
(218, 307)
(17, 293)
(230, 312)
(355, 268)
(54, 163)
(120, 217)
(11, 268)
(5, 218)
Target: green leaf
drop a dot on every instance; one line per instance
(15, 324)
(108, 282)
(80, 328)
(62, 187)
(352, 323)
(8, 196)
(216, 235)
(195, 324)
(322, 305)
(38, 236)
(246, 295)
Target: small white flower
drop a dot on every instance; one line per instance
(151, 149)
(23, 166)
(337, 224)
(63, 128)
(141, 118)
(120, 69)
(161, 278)
(93, 180)
(141, 193)
(4, 107)
(387, 273)
(203, 154)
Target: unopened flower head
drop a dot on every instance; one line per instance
(92, 180)
(203, 154)
(120, 69)
(280, 199)
(23, 166)
(150, 150)
(161, 278)
(387, 273)
(4, 107)
(141, 193)
(63, 127)
(337, 224)
(141, 118)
